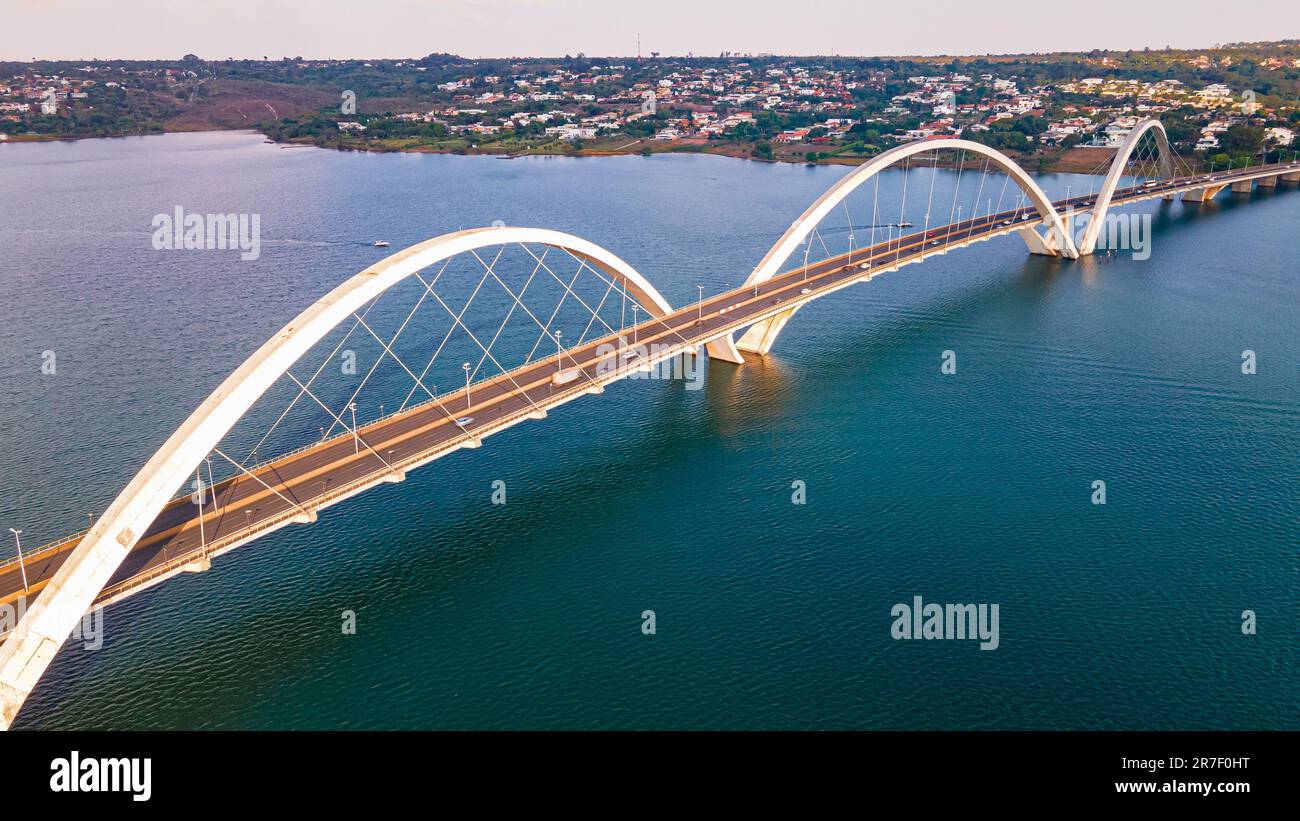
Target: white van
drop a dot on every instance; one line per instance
(562, 378)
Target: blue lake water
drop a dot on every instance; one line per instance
(972, 487)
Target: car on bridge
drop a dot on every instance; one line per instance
(564, 377)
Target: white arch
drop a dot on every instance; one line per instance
(70, 593)
(1088, 242)
(1057, 241)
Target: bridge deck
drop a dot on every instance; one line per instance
(296, 485)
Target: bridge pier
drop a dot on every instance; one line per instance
(1268, 182)
(724, 349)
(1243, 187)
(200, 565)
(1203, 194)
(1037, 245)
(762, 335)
(1293, 176)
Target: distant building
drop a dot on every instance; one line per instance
(1280, 136)
(569, 133)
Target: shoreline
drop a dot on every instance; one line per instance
(1060, 164)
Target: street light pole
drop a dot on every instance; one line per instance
(700, 315)
(203, 536)
(634, 322)
(356, 438)
(465, 368)
(211, 484)
(21, 565)
(559, 351)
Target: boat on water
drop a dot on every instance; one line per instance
(381, 243)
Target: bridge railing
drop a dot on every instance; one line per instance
(32, 554)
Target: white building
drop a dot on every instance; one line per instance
(1280, 136)
(569, 133)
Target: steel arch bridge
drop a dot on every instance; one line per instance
(149, 534)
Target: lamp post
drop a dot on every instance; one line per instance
(198, 483)
(559, 351)
(634, 322)
(21, 566)
(356, 439)
(700, 316)
(465, 368)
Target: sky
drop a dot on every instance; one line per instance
(217, 29)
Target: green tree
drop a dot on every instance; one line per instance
(1242, 140)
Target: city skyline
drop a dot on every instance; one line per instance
(321, 29)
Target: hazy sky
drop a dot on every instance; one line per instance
(216, 29)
